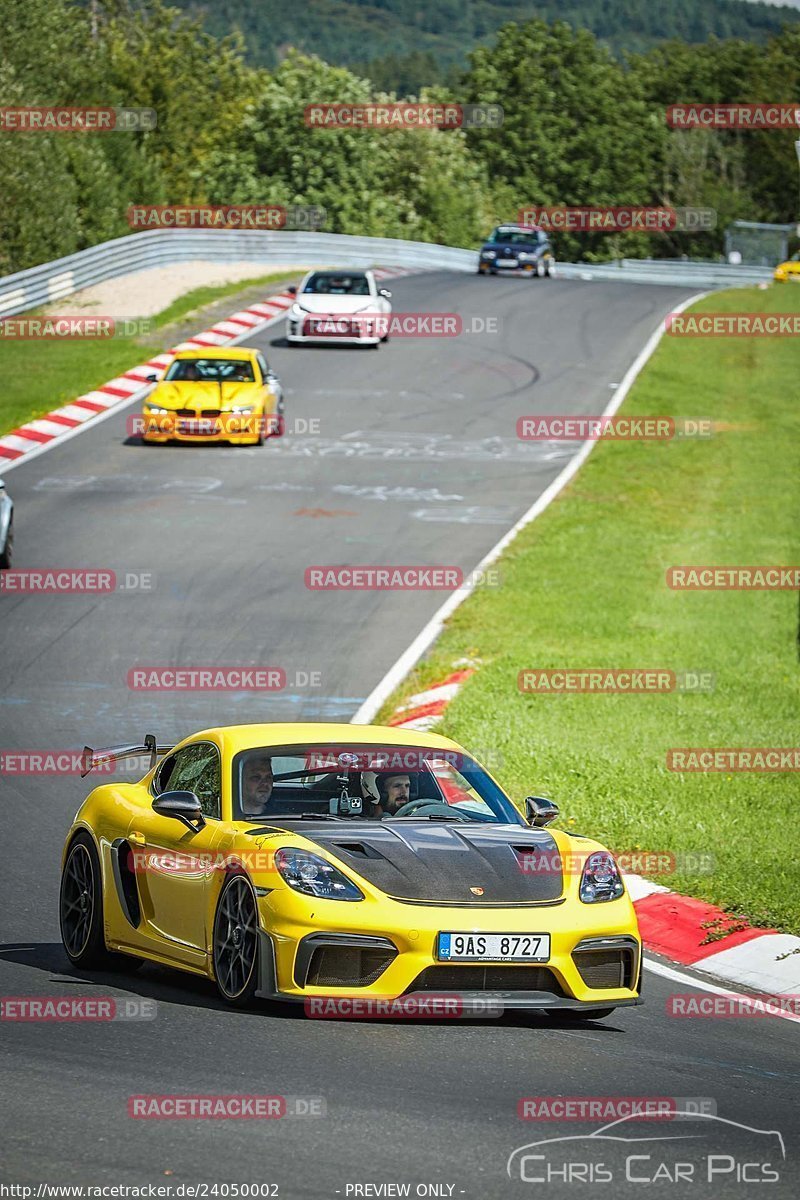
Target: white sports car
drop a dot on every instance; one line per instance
(6, 527)
(339, 306)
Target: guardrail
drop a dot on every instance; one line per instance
(56, 280)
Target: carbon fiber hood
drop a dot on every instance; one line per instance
(440, 863)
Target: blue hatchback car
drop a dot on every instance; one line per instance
(515, 249)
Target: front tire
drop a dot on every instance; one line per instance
(235, 942)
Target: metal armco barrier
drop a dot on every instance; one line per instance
(164, 247)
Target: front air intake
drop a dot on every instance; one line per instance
(342, 960)
(478, 978)
(606, 963)
(342, 966)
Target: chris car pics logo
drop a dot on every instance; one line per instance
(695, 1148)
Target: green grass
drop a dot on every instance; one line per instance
(39, 376)
(584, 586)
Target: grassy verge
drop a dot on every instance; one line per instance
(584, 586)
(40, 376)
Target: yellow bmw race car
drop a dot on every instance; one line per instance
(789, 271)
(324, 863)
(215, 395)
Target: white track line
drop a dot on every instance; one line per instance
(410, 657)
(702, 985)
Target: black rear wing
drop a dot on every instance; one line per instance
(96, 758)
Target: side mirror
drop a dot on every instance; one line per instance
(292, 290)
(181, 806)
(387, 295)
(540, 811)
(153, 378)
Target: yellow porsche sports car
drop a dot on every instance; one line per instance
(789, 271)
(215, 395)
(300, 861)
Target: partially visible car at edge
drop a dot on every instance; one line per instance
(6, 528)
(789, 271)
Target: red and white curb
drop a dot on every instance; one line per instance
(674, 926)
(36, 436)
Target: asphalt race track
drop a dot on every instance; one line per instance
(414, 460)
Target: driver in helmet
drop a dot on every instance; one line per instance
(386, 792)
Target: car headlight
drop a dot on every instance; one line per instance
(525, 257)
(314, 876)
(296, 312)
(601, 879)
(488, 254)
(243, 410)
(155, 408)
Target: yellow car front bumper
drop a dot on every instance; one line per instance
(384, 948)
(235, 428)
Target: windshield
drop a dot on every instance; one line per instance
(224, 370)
(323, 283)
(516, 237)
(353, 782)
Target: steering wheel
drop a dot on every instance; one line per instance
(427, 807)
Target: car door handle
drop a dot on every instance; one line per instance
(138, 839)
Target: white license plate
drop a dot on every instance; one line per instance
(493, 947)
(506, 262)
